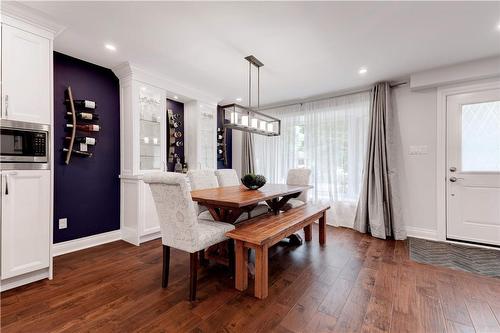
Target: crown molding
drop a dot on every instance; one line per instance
(18, 14)
(127, 70)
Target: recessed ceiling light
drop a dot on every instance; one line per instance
(110, 47)
(498, 26)
(176, 97)
(239, 99)
(362, 70)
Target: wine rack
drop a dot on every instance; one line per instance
(221, 145)
(87, 124)
(175, 139)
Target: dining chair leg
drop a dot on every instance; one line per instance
(193, 275)
(166, 266)
(230, 251)
(203, 259)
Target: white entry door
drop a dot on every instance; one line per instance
(473, 167)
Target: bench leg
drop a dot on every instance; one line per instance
(261, 272)
(241, 274)
(308, 232)
(322, 227)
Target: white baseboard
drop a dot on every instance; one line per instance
(424, 233)
(23, 279)
(85, 242)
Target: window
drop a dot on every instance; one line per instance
(481, 137)
(330, 138)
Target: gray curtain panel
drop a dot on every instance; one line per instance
(247, 154)
(378, 210)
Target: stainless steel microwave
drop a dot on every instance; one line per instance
(24, 145)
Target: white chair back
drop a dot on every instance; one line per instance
(175, 208)
(299, 177)
(202, 179)
(227, 177)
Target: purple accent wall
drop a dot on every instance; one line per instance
(177, 108)
(229, 141)
(87, 191)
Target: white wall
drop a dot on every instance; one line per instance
(415, 125)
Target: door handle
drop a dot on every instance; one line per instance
(454, 179)
(7, 181)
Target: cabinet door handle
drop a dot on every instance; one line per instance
(6, 105)
(6, 185)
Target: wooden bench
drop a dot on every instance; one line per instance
(266, 230)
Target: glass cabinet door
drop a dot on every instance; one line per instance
(208, 144)
(150, 128)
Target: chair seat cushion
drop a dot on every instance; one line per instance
(259, 210)
(211, 233)
(294, 203)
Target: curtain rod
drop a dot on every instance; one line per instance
(342, 94)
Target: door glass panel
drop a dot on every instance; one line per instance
(481, 137)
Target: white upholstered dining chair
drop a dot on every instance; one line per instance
(200, 180)
(179, 224)
(229, 177)
(299, 176)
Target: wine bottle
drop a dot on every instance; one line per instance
(79, 152)
(219, 137)
(177, 134)
(84, 139)
(86, 115)
(88, 127)
(220, 144)
(220, 151)
(83, 103)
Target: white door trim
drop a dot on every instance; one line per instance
(442, 95)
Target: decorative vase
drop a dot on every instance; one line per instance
(253, 182)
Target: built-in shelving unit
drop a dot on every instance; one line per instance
(151, 108)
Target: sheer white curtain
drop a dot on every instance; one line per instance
(329, 137)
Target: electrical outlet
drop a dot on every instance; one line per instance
(63, 223)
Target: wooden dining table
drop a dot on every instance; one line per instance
(226, 204)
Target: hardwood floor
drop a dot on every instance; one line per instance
(354, 284)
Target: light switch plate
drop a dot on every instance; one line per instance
(63, 223)
(418, 150)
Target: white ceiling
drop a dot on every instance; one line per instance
(308, 49)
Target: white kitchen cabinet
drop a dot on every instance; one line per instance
(26, 76)
(26, 203)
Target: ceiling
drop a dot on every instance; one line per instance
(308, 49)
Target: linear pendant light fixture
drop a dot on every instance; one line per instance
(248, 119)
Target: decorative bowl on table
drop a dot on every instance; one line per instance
(253, 182)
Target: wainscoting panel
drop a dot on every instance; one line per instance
(466, 258)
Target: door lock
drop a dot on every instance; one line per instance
(454, 179)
